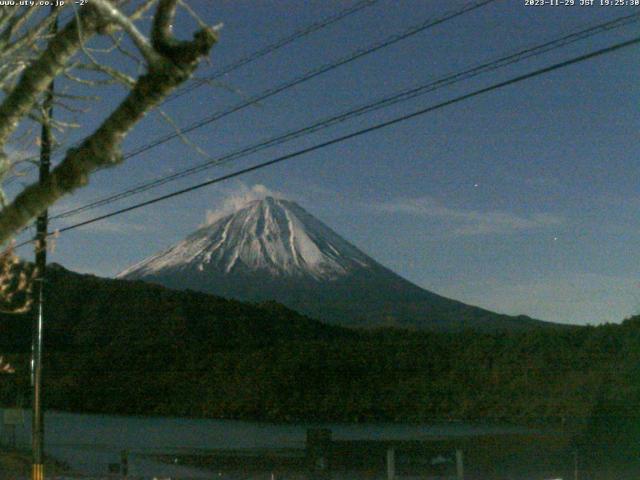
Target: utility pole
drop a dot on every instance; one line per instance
(459, 465)
(37, 427)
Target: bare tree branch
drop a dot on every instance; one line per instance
(173, 63)
(39, 75)
(142, 9)
(106, 8)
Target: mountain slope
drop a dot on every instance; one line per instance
(122, 347)
(272, 249)
(272, 236)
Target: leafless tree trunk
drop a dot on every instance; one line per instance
(25, 76)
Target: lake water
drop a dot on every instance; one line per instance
(89, 443)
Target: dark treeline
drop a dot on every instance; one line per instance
(129, 347)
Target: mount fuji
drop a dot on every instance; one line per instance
(272, 249)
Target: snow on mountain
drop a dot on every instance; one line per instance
(272, 236)
(272, 249)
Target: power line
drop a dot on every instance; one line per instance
(359, 133)
(303, 32)
(429, 23)
(411, 31)
(382, 103)
(310, 75)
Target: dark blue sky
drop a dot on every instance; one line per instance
(523, 200)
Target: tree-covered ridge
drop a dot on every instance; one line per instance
(130, 347)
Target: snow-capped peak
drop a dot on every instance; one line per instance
(272, 235)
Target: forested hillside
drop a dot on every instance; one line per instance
(128, 347)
